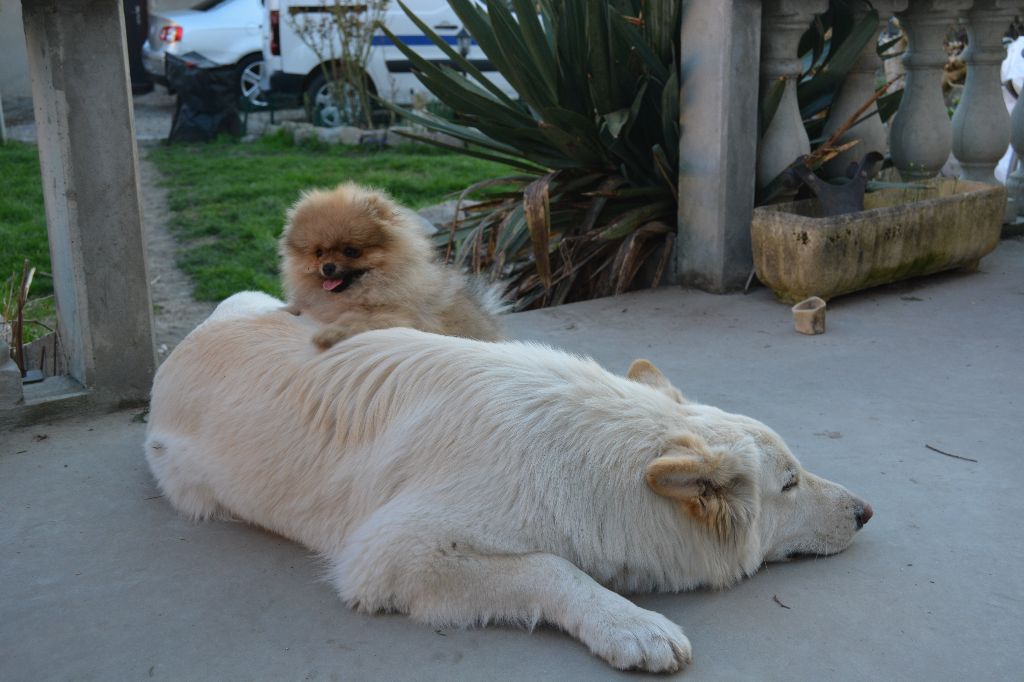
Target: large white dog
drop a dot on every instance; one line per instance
(465, 482)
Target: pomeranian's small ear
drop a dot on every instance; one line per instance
(379, 206)
(306, 198)
(644, 372)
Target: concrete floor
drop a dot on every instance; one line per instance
(99, 580)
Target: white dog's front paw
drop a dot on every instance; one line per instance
(638, 640)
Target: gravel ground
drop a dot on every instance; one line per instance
(175, 313)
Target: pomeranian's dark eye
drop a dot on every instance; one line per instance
(351, 252)
(319, 253)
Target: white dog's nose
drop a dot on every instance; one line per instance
(864, 514)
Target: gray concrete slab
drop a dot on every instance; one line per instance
(100, 580)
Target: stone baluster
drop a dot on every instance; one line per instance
(857, 89)
(922, 137)
(1015, 176)
(981, 126)
(783, 22)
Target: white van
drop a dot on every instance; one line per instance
(292, 69)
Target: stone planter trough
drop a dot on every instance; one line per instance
(901, 233)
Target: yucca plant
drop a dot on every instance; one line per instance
(594, 132)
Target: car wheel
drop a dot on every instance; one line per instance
(326, 109)
(321, 108)
(250, 69)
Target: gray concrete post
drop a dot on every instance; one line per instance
(83, 111)
(718, 141)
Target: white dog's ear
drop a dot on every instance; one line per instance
(715, 486)
(644, 372)
(685, 470)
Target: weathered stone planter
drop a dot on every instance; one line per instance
(901, 233)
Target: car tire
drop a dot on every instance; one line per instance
(321, 109)
(248, 73)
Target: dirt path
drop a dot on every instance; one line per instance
(175, 314)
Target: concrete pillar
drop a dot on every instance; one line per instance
(83, 111)
(785, 139)
(922, 136)
(718, 142)
(858, 88)
(981, 126)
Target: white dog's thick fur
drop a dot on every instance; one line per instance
(465, 482)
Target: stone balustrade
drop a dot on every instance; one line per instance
(724, 157)
(921, 136)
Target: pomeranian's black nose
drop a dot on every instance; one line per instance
(328, 269)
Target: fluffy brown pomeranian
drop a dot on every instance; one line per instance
(353, 260)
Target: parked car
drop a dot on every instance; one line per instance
(293, 71)
(227, 32)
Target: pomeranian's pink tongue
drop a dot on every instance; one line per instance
(331, 284)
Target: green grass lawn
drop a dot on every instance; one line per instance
(227, 203)
(23, 235)
(228, 200)
(22, 219)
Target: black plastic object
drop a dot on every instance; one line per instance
(847, 197)
(207, 99)
(136, 28)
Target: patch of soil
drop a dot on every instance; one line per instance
(175, 313)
